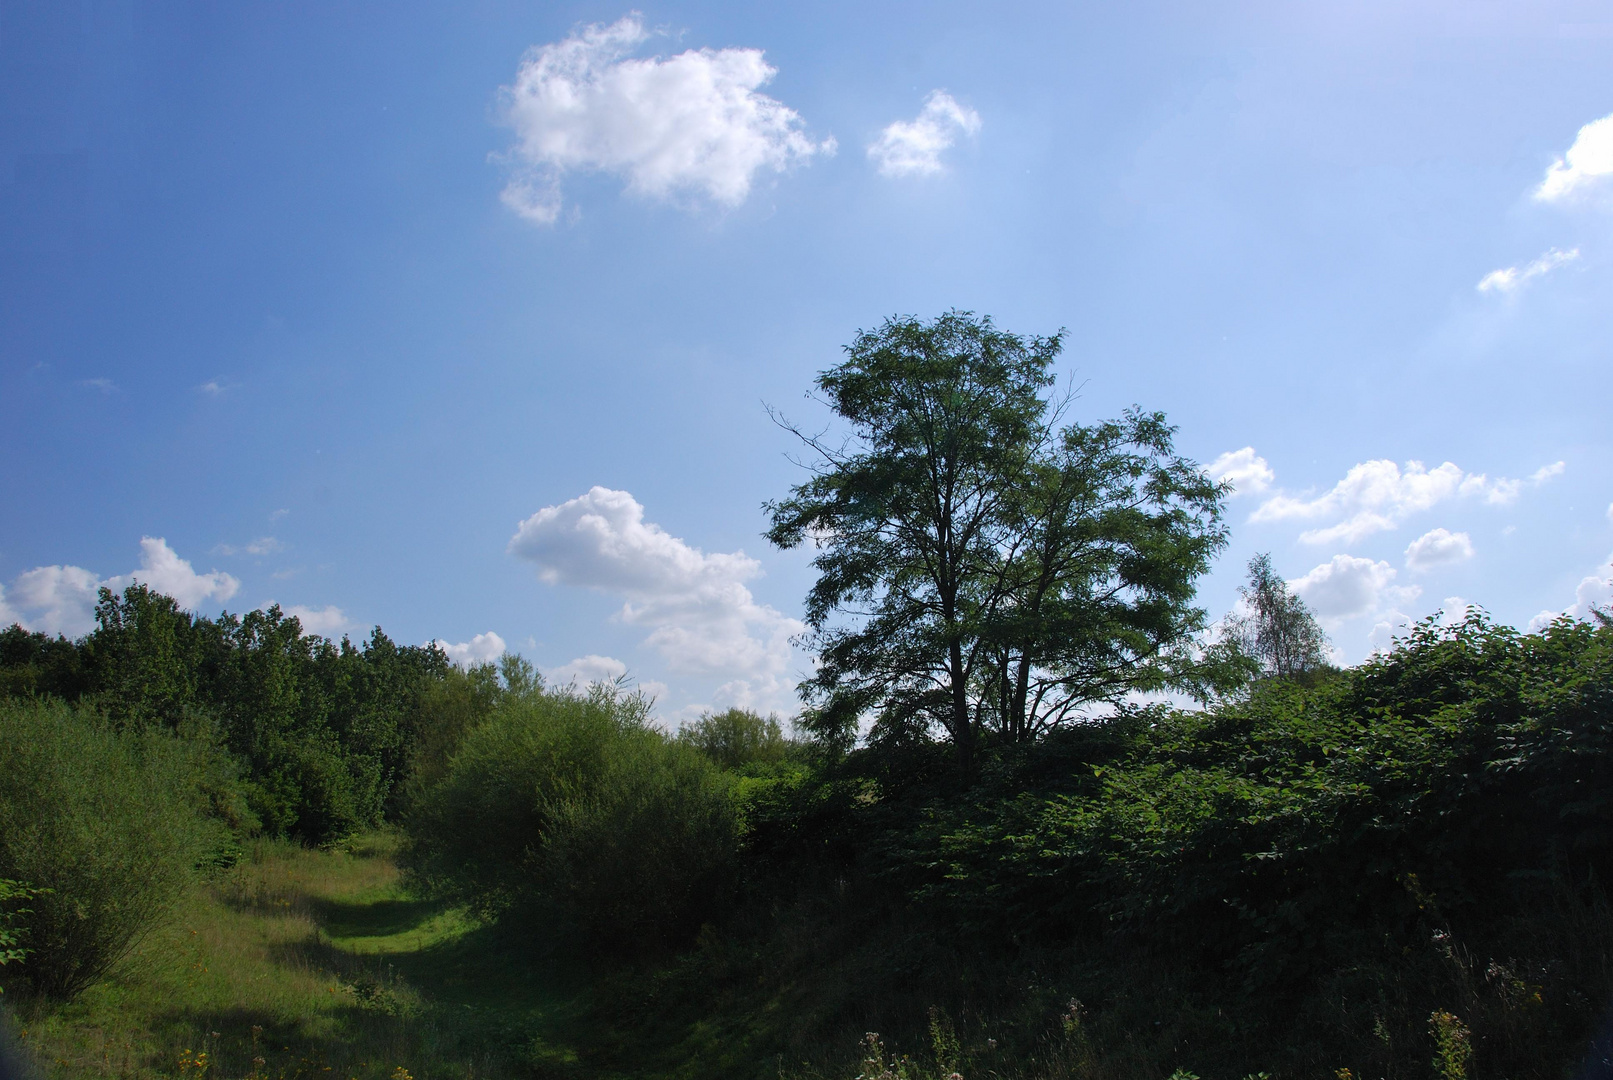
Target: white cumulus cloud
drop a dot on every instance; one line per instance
(61, 599)
(162, 570)
(699, 614)
(690, 124)
(1510, 278)
(586, 671)
(480, 649)
(1589, 159)
(1346, 587)
(914, 147)
(1594, 590)
(327, 621)
(56, 599)
(1453, 609)
(1390, 625)
(1376, 496)
(1438, 547)
(1247, 470)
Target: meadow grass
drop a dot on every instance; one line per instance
(312, 964)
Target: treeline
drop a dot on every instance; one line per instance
(150, 750)
(317, 734)
(140, 759)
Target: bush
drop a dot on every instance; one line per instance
(108, 827)
(449, 708)
(1330, 861)
(569, 804)
(737, 738)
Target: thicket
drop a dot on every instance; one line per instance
(567, 808)
(1320, 873)
(320, 733)
(1357, 870)
(1328, 865)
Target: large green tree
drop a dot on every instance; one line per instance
(981, 569)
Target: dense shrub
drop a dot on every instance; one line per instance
(449, 709)
(569, 804)
(34, 665)
(1331, 861)
(324, 732)
(109, 829)
(736, 738)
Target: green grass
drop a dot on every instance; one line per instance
(323, 966)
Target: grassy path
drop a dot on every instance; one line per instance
(310, 964)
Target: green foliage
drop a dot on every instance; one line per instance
(450, 708)
(324, 733)
(1453, 1048)
(737, 738)
(1344, 834)
(1314, 880)
(36, 665)
(1278, 632)
(13, 927)
(107, 827)
(566, 803)
(999, 573)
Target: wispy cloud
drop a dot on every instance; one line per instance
(689, 124)
(914, 147)
(586, 671)
(100, 386)
(263, 545)
(327, 621)
(1509, 278)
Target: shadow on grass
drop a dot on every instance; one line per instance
(375, 919)
(471, 1003)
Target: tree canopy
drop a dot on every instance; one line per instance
(323, 732)
(982, 569)
(1277, 630)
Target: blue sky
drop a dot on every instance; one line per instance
(462, 319)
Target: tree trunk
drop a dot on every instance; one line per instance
(1022, 682)
(962, 730)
